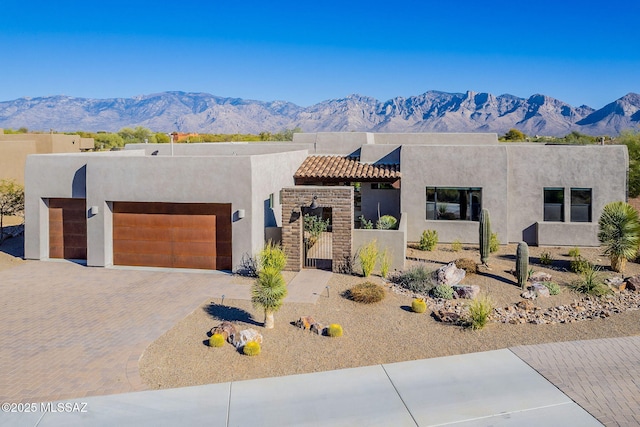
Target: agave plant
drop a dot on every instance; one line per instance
(619, 233)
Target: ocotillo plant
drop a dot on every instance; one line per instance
(522, 264)
(485, 236)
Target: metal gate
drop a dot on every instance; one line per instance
(318, 238)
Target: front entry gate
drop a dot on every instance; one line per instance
(318, 238)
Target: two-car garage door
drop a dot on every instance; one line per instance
(178, 235)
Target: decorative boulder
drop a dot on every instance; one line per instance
(633, 283)
(317, 328)
(540, 290)
(450, 274)
(226, 329)
(446, 316)
(305, 322)
(616, 283)
(240, 339)
(540, 276)
(466, 291)
(528, 295)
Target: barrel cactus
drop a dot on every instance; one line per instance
(419, 305)
(216, 340)
(485, 236)
(522, 264)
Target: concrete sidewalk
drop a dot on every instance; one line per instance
(492, 388)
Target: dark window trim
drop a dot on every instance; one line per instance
(473, 213)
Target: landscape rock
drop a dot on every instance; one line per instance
(226, 329)
(540, 276)
(616, 283)
(466, 291)
(633, 283)
(318, 328)
(447, 316)
(540, 290)
(305, 322)
(529, 294)
(240, 339)
(450, 275)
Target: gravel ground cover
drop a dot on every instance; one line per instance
(384, 332)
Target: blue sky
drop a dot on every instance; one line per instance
(580, 52)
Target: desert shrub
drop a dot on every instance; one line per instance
(443, 292)
(252, 348)
(367, 293)
(554, 288)
(347, 266)
(579, 264)
(591, 282)
(494, 243)
(468, 265)
(368, 255)
(334, 330)
(428, 241)
(248, 266)
(387, 222)
(456, 245)
(315, 226)
(419, 305)
(479, 312)
(574, 252)
(546, 258)
(416, 279)
(385, 262)
(619, 233)
(216, 340)
(272, 256)
(365, 224)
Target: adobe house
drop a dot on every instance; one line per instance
(211, 205)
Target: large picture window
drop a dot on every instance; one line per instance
(554, 204)
(580, 205)
(454, 203)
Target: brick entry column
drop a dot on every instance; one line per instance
(339, 199)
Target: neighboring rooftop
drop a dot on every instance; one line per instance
(341, 168)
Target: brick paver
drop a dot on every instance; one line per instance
(69, 331)
(602, 376)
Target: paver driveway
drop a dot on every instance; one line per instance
(72, 331)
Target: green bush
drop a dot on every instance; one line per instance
(367, 293)
(385, 262)
(494, 243)
(579, 265)
(443, 292)
(546, 258)
(216, 340)
(416, 279)
(574, 252)
(368, 255)
(334, 330)
(428, 241)
(419, 305)
(314, 226)
(272, 256)
(554, 288)
(252, 348)
(468, 265)
(456, 245)
(387, 222)
(479, 312)
(591, 282)
(365, 224)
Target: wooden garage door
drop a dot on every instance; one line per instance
(177, 235)
(67, 228)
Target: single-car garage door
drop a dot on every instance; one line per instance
(176, 235)
(67, 228)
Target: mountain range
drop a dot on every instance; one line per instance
(432, 111)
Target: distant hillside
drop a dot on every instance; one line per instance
(430, 112)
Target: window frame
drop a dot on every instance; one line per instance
(574, 216)
(472, 210)
(546, 206)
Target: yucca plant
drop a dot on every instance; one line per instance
(272, 255)
(619, 232)
(268, 292)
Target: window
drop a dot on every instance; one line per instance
(580, 205)
(554, 204)
(454, 203)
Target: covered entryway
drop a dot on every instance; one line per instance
(174, 235)
(67, 229)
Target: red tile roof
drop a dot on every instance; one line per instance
(347, 168)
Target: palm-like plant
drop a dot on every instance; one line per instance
(619, 233)
(268, 292)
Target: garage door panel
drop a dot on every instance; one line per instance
(67, 228)
(191, 235)
(201, 262)
(142, 247)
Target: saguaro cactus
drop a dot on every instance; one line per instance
(522, 264)
(485, 236)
